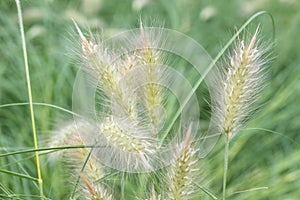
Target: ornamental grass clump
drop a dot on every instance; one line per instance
(128, 134)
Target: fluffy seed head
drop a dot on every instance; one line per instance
(242, 82)
(182, 172)
(125, 147)
(117, 74)
(123, 140)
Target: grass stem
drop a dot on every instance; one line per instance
(40, 180)
(226, 155)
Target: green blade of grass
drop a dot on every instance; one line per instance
(44, 149)
(206, 191)
(82, 169)
(250, 190)
(40, 180)
(19, 175)
(275, 132)
(40, 104)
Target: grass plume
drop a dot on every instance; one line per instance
(242, 80)
(183, 170)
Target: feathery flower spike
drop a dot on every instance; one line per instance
(242, 81)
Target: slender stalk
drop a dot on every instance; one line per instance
(40, 180)
(206, 191)
(226, 155)
(82, 169)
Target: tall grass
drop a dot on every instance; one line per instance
(38, 165)
(276, 167)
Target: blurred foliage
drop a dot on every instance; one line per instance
(258, 158)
